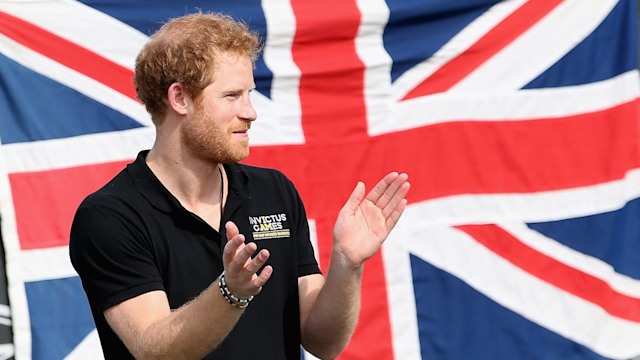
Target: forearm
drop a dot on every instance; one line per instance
(190, 332)
(333, 318)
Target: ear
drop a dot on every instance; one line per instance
(179, 100)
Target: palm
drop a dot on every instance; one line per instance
(363, 224)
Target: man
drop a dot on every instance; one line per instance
(151, 246)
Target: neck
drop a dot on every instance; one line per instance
(197, 184)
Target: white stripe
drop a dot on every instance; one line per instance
(281, 122)
(74, 80)
(7, 351)
(15, 286)
(76, 151)
(277, 123)
(529, 207)
(57, 260)
(100, 147)
(587, 264)
(377, 77)
(457, 45)
(309, 356)
(82, 25)
(378, 98)
(313, 234)
(514, 106)
(89, 348)
(568, 315)
(5, 310)
(538, 48)
(400, 292)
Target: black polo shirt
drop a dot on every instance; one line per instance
(132, 236)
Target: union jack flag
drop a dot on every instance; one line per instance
(517, 121)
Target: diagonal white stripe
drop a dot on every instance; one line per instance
(538, 48)
(456, 46)
(575, 259)
(568, 315)
(424, 230)
(279, 120)
(82, 25)
(74, 80)
(509, 106)
(89, 348)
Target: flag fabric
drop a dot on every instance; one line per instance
(517, 122)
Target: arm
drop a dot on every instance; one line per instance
(150, 330)
(330, 307)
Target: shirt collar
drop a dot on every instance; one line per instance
(149, 186)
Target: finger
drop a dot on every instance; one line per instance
(231, 249)
(256, 263)
(398, 196)
(240, 261)
(264, 276)
(393, 218)
(378, 190)
(384, 192)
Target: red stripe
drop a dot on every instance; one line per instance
(471, 157)
(486, 47)
(554, 272)
(45, 202)
(334, 113)
(68, 54)
(332, 74)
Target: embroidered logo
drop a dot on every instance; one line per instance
(269, 226)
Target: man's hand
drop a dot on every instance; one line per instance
(240, 269)
(363, 224)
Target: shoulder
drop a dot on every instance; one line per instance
(114, 194)
(123, 190)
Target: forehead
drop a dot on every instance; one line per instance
(233, 70)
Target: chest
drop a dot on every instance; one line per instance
(187, 250)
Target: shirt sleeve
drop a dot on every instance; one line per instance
(307, 263)
(112, 256)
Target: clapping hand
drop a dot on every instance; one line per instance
(364, 223)
(240, 269)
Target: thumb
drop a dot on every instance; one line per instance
(355, 199)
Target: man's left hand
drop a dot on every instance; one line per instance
(364, 223)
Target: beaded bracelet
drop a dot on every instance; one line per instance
(232, 299)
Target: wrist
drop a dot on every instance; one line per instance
(339, 259)
(232, 299)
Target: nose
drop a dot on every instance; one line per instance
(247, 112)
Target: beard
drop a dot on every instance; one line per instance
(205, 139)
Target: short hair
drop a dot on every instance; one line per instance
(185, 50)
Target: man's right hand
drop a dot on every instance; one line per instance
(241, 269)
